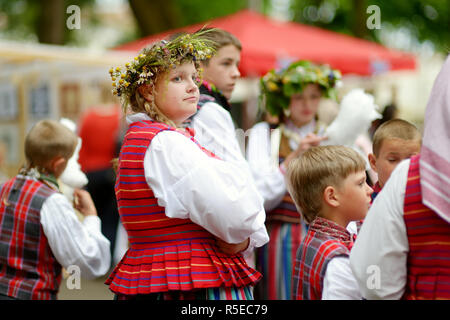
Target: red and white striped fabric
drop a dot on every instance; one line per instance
(429, 244)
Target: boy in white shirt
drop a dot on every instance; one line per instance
(39, 229)
(328, 186)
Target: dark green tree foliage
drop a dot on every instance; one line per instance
(425, 19)
(45, 19)
(195, 11)
(41, 19)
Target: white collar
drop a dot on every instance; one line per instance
(139, 116)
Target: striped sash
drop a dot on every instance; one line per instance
(429, 244)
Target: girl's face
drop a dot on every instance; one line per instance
(304, 105)
(222, 69)
(176, 93)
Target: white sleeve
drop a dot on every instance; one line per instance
(216, 132)
(215, 194)
(73, 242)
(339, 282)
(378, 258)
(269, 179)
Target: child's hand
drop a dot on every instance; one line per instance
(232, 248)
(311, 140)
(84, 203)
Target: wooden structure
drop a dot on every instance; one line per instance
(47, 81)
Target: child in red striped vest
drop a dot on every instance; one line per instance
(39, 230)
(328, 185)
(394, 141)
(188, 215)
(403, 249)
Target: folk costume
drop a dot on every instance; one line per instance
(322, 269)
(174, 197)
(267, 148)
(407, 230)
(40, 233)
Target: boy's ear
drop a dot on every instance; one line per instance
(145, 91)
(330, 196)
(372, 161)
(57, 165)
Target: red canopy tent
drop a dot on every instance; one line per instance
(268, 44)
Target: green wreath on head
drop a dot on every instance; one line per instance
(277, 87)
(160, 57)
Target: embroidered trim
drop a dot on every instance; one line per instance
(332, 229)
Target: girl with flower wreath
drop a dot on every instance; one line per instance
(291, 98)
(188, 214)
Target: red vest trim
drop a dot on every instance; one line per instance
(429, 244)
(165, 254)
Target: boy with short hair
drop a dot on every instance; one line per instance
(39, 230)
(393, 142)
(328, 186)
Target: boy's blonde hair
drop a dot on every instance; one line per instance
(395, 128)
(46, 140)
(318, 168)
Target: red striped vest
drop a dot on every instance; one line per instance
(28, 269)
(165, 254)
(324, 241)
(429, 244)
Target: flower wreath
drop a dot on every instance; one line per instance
(160, 57)
(277, 87)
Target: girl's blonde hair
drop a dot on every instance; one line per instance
(318, 168)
